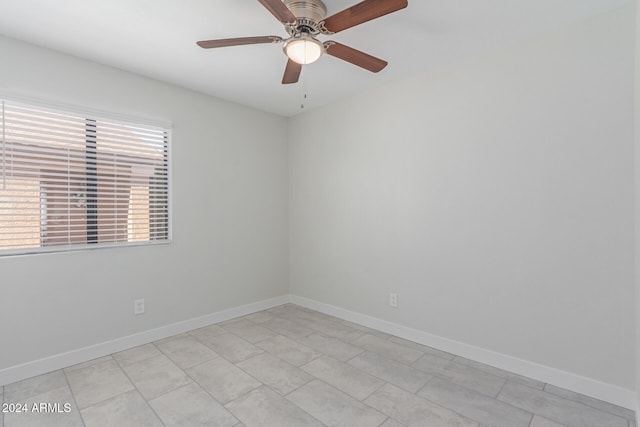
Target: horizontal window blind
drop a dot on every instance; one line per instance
(72, 180)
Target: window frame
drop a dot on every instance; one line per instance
(93, 114)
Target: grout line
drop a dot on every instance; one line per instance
(109, 398)
(136, 387)
(357, 355)
(245, 340)
(331, 386)
(137, 361)
(587, 404)
(299, 387)
(210, 395)
(434, 376)
(294, 404)
(245, 394)
(414, 394)
(251, 375)
(384, 383)
(562, 398)
(531, 420)
(501, 388)
(448, 409)
(216, 356)
(73, 396)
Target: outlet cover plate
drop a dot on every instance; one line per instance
(393, 300)
(138, 307)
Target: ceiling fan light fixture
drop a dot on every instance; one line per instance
(303, 49)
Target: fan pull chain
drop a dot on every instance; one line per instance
(304, 90)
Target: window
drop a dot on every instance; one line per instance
(70, 180)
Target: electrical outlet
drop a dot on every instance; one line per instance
(393, 300)
(138, 307)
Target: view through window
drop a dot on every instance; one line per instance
(70, 180)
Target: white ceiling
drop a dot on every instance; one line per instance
(157, 38)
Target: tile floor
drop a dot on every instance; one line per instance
(290, 366)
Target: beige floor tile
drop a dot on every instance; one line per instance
(171, 338)
(336, 329)
(88, 363)
(249, 330)
(477, 406)
(223, 380)
(60, 410)
(287, 349)
(414, 411)
(231, 347)
(464, 375)
(191, 406)
(345, 378)
(186, 351)
(391, 371)
(19, 391)
(388, 349)
(422, 348)
(391, 423)
(334, 408)
(543, 422)
(264, 407)
(156, 376)
(331, 346)
(366, 329)
(207, 332)
(275, 372)
(125, 410)
(558, 409)
(98, 382)
(259, 317)
(289, 328)
(136, 354)
(500, 373)
(295, 312)
(590, 401)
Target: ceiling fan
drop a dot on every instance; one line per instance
(304, 20)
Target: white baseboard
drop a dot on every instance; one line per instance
(63, 360)
(574, 382)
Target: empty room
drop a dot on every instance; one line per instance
(378, 213)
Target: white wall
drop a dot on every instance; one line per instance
(496, 198)
(230, 217)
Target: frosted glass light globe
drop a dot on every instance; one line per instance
(303, 49)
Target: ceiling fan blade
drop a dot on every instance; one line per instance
(209, 44)
(279, 10)
(355, 56)
(362, 12)
(291, 73)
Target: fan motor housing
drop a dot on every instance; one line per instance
(314, 10)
